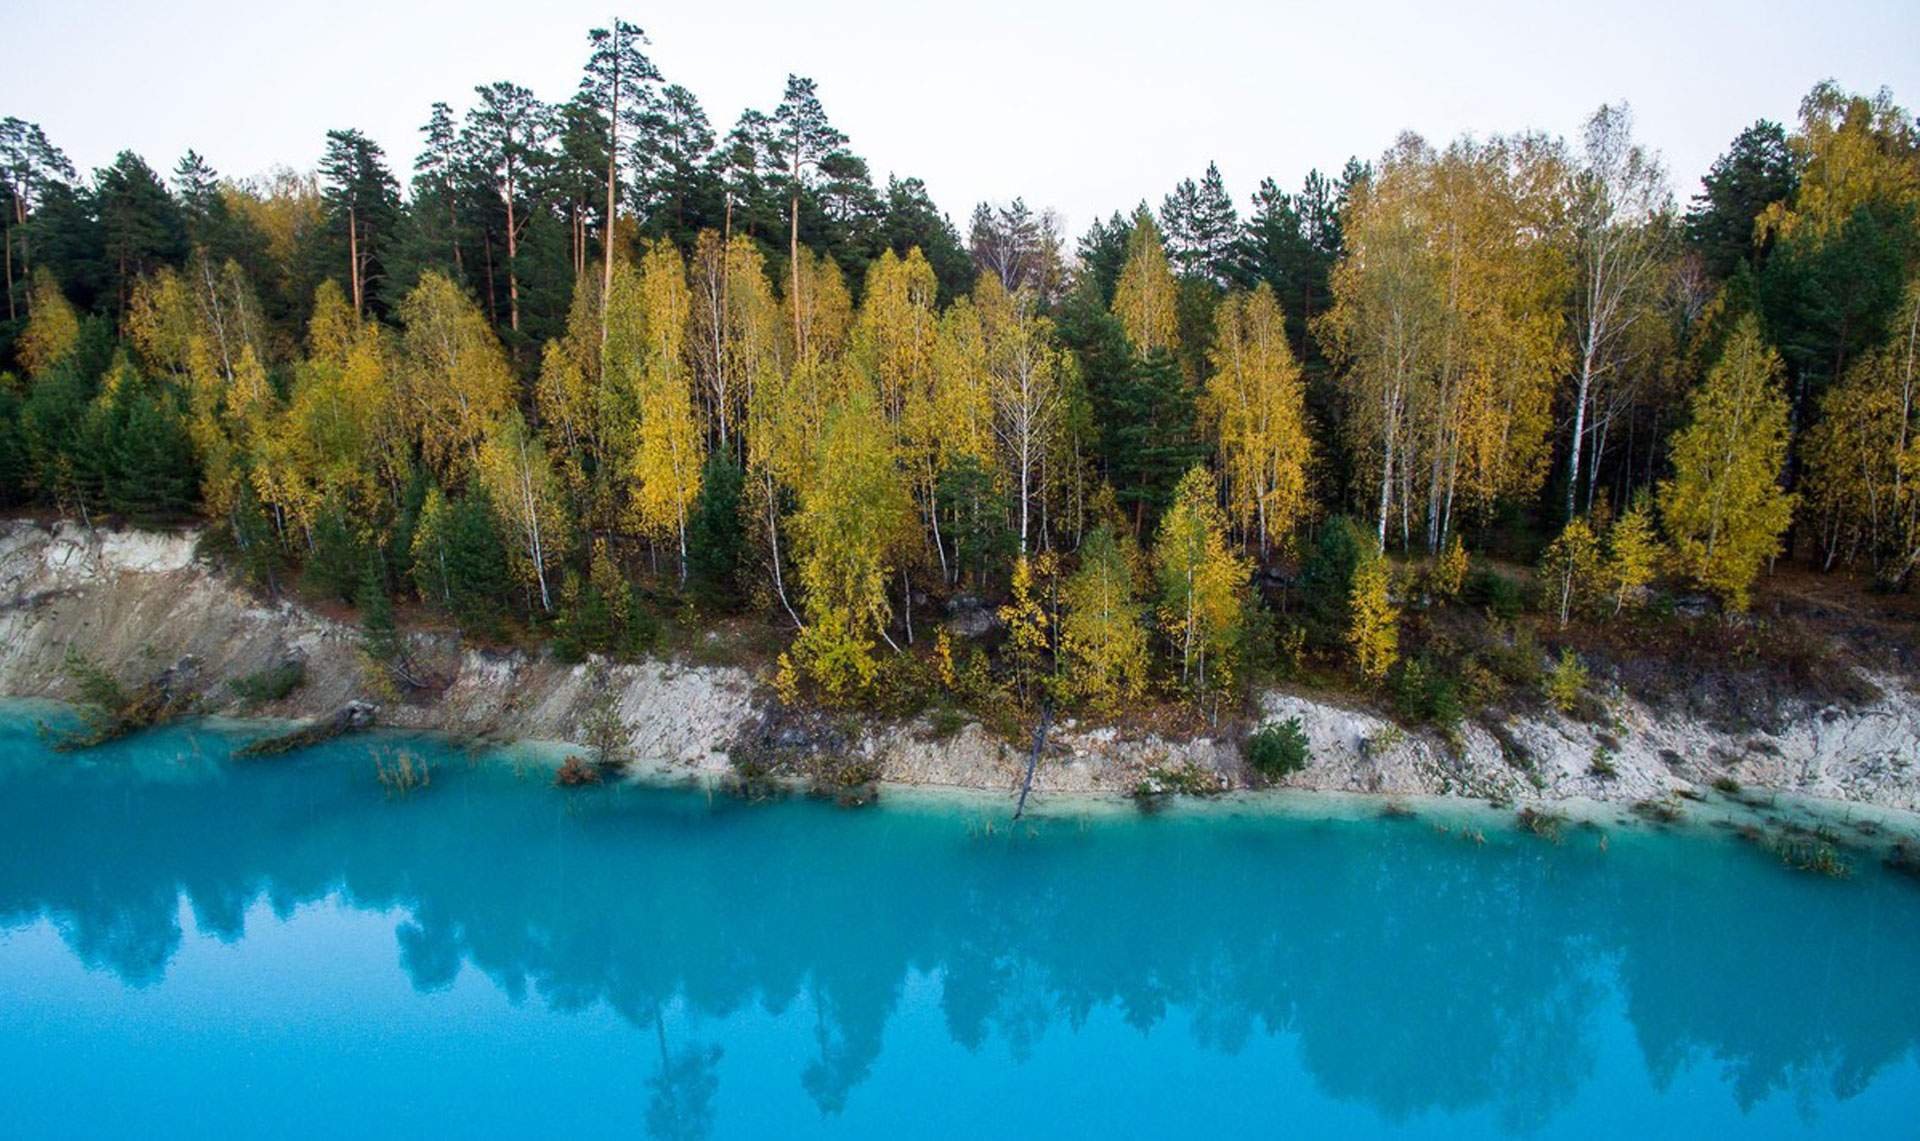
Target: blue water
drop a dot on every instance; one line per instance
(194, 946)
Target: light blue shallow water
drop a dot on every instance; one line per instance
(191, 946)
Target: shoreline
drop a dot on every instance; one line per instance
(142, 601)
(1717, 816)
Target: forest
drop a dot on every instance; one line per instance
(601, 372)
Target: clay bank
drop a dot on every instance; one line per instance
(142, 602)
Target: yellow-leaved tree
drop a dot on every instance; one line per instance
(566, 394)
(1258, 402)
(736, 330)
(822, 309)
(891, 351)
(1201, 584)
(1570, 569)
(339, 437)
(1026, 376)
(1852, 152)
(1863, 455)
(1102, 634)
(1028, 623)
(1448, 320)
(202, 325)
(892, 342)
(1723, 507)
(52, 326)
(1633, 555)
(671, 447)
(455, 383)
(1373, 622)
(1146, 298)
(520, 483)
(853, 510)
(952, 426)
(1449, 572)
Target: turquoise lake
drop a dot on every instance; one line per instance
(192, 946)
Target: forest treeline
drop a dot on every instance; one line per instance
(600, 357)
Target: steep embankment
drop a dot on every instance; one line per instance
(139, 601)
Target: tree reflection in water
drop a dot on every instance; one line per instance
(1418, 974)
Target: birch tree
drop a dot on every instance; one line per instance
(513, 468)
(1621, 228)
(1723, 508)
(853, 511)
(1863, 455)
(1386, 318)
(1201, 585)
(1448, 320)
(1145, 298)
(1025, 374)
(735, 335)
(1103, 635)
(454, 380)
(892, 349)
(1259, 409)
(671, 447)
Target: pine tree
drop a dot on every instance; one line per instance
(670, 184)
(436, 190)
(1180, 224)
(32, 170)
(151, 475)
(140, 224)
(505, 139)
(1755, 172)
(459, 560)
(619, 85)
(379, 635)
(364, 200)
(716, 540)
(805, 140)
(1203, 229)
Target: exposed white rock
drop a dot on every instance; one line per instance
(130, 597)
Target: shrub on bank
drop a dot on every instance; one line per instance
(1279, 749)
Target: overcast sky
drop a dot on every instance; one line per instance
(1086, 107)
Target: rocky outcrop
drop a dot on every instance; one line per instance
(133, 599)
(136, 600)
